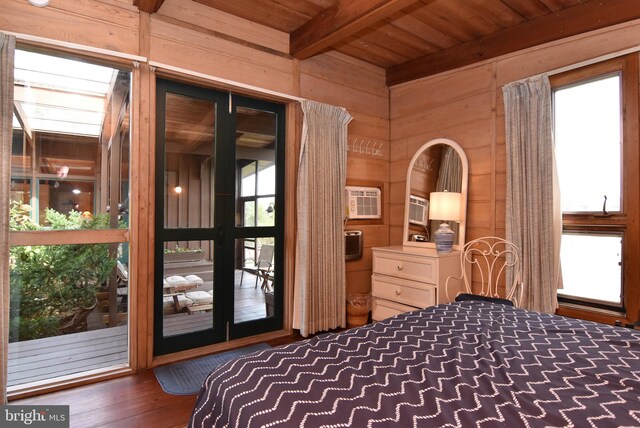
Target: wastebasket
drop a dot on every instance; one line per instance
(358, 307)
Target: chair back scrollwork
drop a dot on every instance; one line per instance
(493, 265)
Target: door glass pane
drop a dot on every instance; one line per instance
(588, 144)
(266, 178)
(254, 276)
(255, 159)
(249, 213)
(248, 183)
(603, 281)
(189, 166)
(187, 287)
(266, 211)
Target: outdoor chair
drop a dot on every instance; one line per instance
(263, 266)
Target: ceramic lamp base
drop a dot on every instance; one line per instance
(444, 238)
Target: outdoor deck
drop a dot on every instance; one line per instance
(41, 359)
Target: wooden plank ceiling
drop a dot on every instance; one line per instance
(417, 38)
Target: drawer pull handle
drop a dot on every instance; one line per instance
(397, 292)
(399, 267)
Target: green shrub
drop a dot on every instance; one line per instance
(49, 283)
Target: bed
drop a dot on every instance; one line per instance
(464, 364)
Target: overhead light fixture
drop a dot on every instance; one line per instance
(76, 191)
(39, 3)
(178, 189)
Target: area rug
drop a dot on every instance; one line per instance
(186, 377)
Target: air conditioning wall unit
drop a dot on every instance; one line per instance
(363, 202)
(418, 210)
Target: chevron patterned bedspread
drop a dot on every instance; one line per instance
(463, 364)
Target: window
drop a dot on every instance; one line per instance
(69, 171)
(595, 120)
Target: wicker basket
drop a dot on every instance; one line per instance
(358, 307)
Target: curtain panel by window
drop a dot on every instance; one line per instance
(533, 217)
(7, 50)
(319, 295)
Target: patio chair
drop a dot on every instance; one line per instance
(263, 266)
(122, 279)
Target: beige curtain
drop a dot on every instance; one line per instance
(533, 218)
(319, 296)
(7, 48)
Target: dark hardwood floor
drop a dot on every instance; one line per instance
(132, 401)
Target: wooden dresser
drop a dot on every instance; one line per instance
(408, 278)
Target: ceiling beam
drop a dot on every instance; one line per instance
(149, 6)
(568, 22)
(338, 22)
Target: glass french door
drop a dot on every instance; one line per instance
(219, 181)
(256, 217)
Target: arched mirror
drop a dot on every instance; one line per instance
(438, 167)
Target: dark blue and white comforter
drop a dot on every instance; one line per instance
(463, 364)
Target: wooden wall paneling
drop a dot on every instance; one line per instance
(397, 190)
(349, 71)
(439, 91)
(204, 53)
(453, 114)
(358, 281)
(370, 127)
(353, 99)
(91, 23)
(366, 167)
(194, 13)
(398, 170)
(567, 52)
(361, 264)
(480, 187)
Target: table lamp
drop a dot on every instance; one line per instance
(444, 206)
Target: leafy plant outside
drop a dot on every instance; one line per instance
(52, 285)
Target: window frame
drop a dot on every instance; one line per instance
(626, 220)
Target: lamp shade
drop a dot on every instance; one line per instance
(445, 206)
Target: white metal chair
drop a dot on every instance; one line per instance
(487, 260)
(263, 266)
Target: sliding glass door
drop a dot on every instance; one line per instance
(217, 245)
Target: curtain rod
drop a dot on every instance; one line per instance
(76, 46)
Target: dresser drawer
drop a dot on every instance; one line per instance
(403, 266)
(383, 309)
(415, 294)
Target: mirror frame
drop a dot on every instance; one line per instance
(463, 191)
